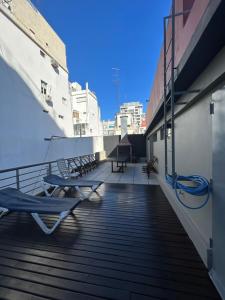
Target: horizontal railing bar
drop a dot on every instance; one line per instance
(36, 188)
(8, 178)
(29, 166)
(33, 183)
(4, 186)
(22, 174)
(25, 167)
(30, 178)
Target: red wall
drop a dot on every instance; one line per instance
(183, 35)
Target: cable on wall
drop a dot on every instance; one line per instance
(199, 187)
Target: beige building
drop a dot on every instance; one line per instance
(25, 15)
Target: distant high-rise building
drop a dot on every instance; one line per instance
(135, 117)
(130, 118)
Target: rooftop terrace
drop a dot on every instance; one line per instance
(132, 175)
(124, 243)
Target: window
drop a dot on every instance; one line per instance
(44, 87)
(154, 137)
(187, 5)
(76, 114)
(6, 4)
(79, 129)
(64, 100)
(61, 116)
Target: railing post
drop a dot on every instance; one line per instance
(17, 179)
(49, 168)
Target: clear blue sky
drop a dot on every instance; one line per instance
(103, 34)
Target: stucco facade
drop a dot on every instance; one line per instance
(35, 100)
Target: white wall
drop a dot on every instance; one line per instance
(193, 137)
(24, 125)
(193, 157)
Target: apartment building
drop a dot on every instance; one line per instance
(108, 127)
(35, 100)
(186, 134)
(86, 111)
(135, 118)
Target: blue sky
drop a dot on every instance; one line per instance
(105, 34)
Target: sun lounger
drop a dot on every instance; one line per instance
(12, 200)
(57, 181)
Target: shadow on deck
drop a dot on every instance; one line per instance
(125, 244)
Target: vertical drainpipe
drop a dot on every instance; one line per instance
(165, 92)
(172, 90)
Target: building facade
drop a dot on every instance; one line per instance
(35, 99)
(199, 81)
(86, 111)
(108, 127)
(133, 111)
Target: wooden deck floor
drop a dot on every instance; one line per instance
(126, 244)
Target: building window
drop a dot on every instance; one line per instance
(64, 100)
(76, 114)
(79, 129)
(187, 5)
(6, 4)
(154, 137)
(44, 87)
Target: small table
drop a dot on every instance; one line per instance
(121, 163)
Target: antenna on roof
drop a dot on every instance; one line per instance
(116, 82)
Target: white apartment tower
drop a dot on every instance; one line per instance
(86, 111)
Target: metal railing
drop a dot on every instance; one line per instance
(28, 178)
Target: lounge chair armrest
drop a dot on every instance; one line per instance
(3, 211)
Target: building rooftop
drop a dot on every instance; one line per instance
(125, 243)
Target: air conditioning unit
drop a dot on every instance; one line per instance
(54, 63)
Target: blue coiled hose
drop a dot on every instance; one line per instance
(201, 188)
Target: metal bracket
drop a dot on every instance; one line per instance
(211, 108)
(209, 258)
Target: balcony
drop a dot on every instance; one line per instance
(125, 242)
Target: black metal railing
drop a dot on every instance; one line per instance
(28, 178)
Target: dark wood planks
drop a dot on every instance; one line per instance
(126, 243)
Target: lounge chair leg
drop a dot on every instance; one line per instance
(45, 188)
(44, 227)
(83, 196)
(87, 196)
(3, 212)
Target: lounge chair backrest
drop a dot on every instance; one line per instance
(63, 168)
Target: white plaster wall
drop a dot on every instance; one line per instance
(24, 125)
(93, 116)
(71, 147)
(193, 157)
(193, 135)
